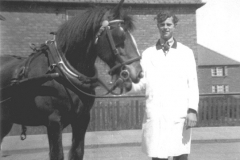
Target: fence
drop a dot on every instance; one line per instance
(214, 110)
(219, 110)
(117, 115)
(127, 112)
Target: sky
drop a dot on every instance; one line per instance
(218, 27)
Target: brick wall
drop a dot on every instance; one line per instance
(147, 32)
(28, 22)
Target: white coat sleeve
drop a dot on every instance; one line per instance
(193, 91)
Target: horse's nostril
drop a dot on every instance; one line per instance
(141, 75)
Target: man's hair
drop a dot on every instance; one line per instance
(163, 15)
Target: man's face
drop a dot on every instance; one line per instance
(166, 28)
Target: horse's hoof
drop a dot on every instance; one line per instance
(2, 154)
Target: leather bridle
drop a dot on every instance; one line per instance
(124, 74)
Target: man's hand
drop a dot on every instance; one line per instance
(191, 120)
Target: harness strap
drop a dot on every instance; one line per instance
(111, 71)
(76, 80)
(116, 53)
(112, 44)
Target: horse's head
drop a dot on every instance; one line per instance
(116, 46)
(105, 33)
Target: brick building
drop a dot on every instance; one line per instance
(217, 73)
(30, 21)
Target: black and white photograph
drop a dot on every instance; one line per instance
(119, 80)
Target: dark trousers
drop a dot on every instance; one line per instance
(181, 157)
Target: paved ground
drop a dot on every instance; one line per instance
(200, 151)
(213, 143)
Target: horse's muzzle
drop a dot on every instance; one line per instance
(141, 75)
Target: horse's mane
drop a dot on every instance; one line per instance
(74, 36)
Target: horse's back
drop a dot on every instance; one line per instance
(8, 67)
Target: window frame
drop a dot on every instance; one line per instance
(219, 71)
(220, 88)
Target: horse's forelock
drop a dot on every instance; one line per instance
(128, 22)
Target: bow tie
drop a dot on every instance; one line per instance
(165, 47)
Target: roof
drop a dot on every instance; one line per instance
(197, 2)
(208, 57)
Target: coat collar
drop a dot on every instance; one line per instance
(160, 46)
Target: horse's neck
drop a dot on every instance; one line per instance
(82, 58)
(86, 69)
(84, 65)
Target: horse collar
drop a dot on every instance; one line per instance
(70, 73)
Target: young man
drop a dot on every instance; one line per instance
(170, 80)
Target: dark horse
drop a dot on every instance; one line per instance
(54, 86)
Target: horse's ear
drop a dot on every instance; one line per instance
(116, 12)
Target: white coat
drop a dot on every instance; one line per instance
(171, 89)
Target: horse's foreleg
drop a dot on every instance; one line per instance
(54, 130)
(5, 128)
(79, 127)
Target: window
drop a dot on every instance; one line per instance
(219, 71)
(220, 88)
